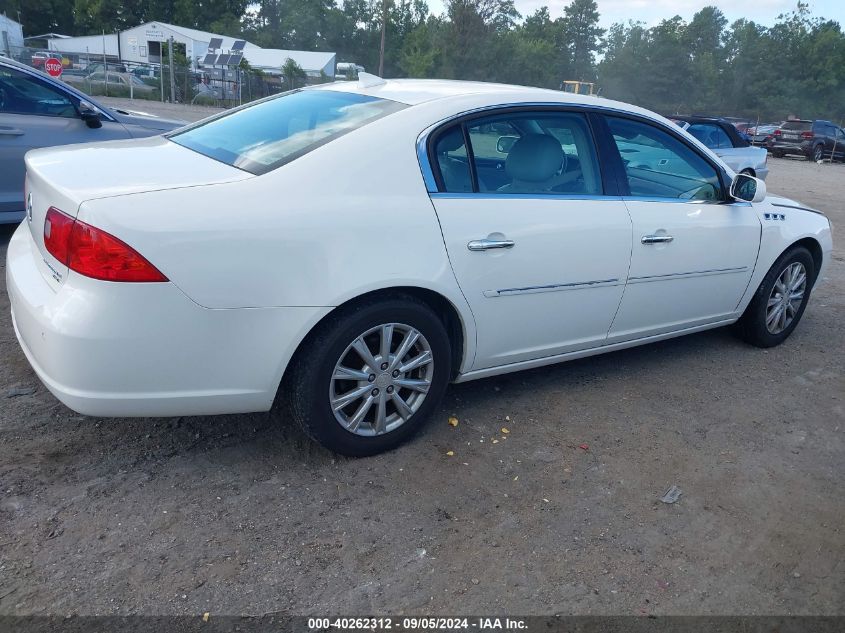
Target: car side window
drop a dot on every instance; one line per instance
(712, 135)
(658, 164)
(21, 93)
(451, 154)
(535, 152)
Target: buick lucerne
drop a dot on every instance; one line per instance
(347, 250)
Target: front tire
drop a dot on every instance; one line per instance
(366, 380)
(779, 302)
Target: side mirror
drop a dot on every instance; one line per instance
(90, 115)
(748, 188)
(505, 144)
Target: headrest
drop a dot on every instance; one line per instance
(534, 158)
(451, 140)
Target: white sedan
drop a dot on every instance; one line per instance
(348, 249)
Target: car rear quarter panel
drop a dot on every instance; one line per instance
(348, 218)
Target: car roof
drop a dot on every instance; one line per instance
(477, 94)
(700, 119)
(416, 91)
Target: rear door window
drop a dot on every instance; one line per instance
(535, 152)
(275, 131)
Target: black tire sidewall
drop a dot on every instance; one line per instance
(754, 319)
(323, 352)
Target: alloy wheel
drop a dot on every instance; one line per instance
(786, 298)
(381, 379)
(818, 154)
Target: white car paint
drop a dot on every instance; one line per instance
(255, 262)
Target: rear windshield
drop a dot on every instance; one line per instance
(264, 136)
(797, 125)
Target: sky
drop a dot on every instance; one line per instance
(652, 11)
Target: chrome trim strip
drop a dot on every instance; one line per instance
(422, 159)
(694, 273)
(422, 139)
(738, 203)
(507, 292)
(518, 196)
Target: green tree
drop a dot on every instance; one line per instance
(41, 16)
(582, 37)
(293, 74)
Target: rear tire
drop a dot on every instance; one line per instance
(777, 154)
(775, 309)
(818, 153)
(386, 406)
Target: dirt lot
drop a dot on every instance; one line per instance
(239, 515)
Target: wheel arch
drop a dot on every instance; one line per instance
(815, 248)
(457, 329)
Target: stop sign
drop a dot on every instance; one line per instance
(54, 67)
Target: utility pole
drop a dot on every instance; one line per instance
(383, 30)
(172, 76)
(105, 67)
(161, 69)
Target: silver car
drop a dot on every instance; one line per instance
(728, 143)
(39, 111)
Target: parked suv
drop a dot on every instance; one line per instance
(816, 140)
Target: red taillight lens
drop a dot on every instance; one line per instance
(92, 252)
(776, 133)
(806, 135)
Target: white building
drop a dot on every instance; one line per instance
(11, 36)
(143, 44)
(86, 45)
(271, 60)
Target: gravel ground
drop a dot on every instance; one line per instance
(240, 515)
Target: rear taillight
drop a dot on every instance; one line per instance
(776, 133)
(92, 252)
(57, 228)
(806, 135)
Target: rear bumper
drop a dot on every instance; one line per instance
(802, 148)
(136, 350)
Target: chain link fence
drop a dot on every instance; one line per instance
(175, 83)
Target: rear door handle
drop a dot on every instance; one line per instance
(10, 131)
(487, 244)
(656, 239)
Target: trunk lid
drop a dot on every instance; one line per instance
(65, 177)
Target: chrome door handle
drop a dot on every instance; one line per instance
(656, 239)
(10, 131)
(485, 244)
